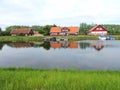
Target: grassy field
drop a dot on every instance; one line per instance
(39, 38)
(36, 79)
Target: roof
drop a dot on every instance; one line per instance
(55, 29)
(58, 29)
(92, 29)
(20, 30)
(74, 29)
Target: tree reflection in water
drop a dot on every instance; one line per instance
(1, 45)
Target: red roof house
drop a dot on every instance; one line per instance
(22, 31)
(97, 30)
(64, 31)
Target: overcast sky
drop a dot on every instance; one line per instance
(59, 12)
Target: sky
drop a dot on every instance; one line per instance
(59, 12)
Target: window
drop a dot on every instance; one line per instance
(100, 28)
(97, 28)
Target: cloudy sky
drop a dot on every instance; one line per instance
(59, 12)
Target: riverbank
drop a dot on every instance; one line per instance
(41, 79)
(20, 39)
(39, 38)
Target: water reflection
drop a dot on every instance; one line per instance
(45, 45)
(86, 54)
(20, 45)
(64, 44)
(84, 45)
(1, 45)
(97, 45)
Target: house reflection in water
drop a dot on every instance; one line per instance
(98, 45)
(21, 45)
(64, 44)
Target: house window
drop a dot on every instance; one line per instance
(97, 29)
(64, 29)
(100, 28)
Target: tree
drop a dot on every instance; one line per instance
(0, 32)
(84, 28)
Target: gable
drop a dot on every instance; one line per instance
(97, 28)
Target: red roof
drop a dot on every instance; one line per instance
(97, 26)
(20, 30)
(55, 29)
(59, 29)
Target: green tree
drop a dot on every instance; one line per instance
(0, 32)
(84, 28)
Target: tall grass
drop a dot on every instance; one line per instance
(36, 79)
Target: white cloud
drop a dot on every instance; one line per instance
(60, 12)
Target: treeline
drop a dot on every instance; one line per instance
(45, 30)
(111, 28)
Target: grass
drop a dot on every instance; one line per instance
(19, 38)
(39, 38)
(41, 79)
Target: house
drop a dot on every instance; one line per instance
(64, 31)
(22, 32)
(36, 33)
(97, 30)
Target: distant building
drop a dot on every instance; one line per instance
(64, 31)
(97, 30)
(36, 33)
(22, 32)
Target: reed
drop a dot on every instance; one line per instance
(42, 79)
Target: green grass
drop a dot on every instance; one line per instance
(41, 79)
(39, 38)
(19, 38)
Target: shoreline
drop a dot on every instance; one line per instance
(39, 38)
